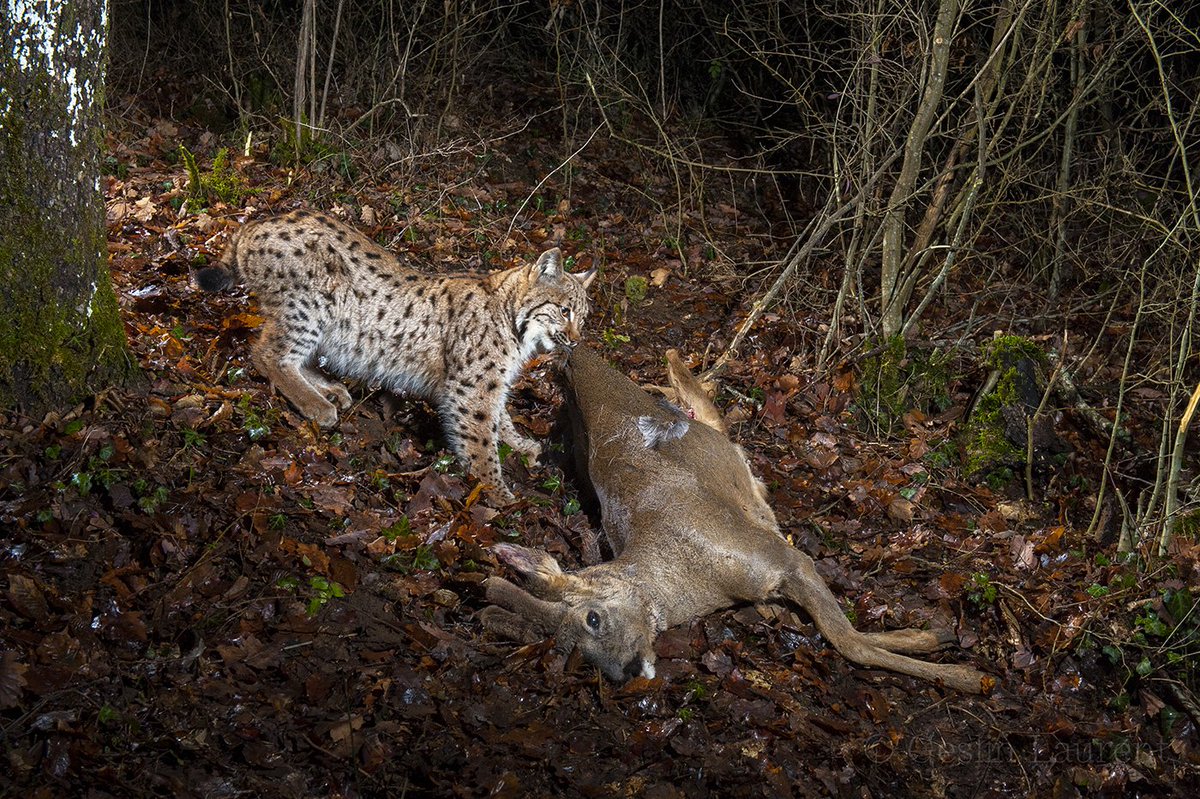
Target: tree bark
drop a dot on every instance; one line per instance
(893, 292)
(60, 334)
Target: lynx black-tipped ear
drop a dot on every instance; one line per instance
(548, 265)
(587, 277)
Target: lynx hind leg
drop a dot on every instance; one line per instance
(282, 354)
(472, 428)
(521, 444)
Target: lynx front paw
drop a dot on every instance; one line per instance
(338, 393)
(500, 496)
(529, 449)
(320, 410)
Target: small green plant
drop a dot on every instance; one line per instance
(192, 438)
(111, 165)
(421, 558)
(552, 483)
(981, 590)
(401, 529)
(222, 183)
(277, 521)
(1000, 477)
(323, 591)
(1160, 641)
(149, 500)
(571, 506)
(98, 472)
(310, 148)
(253, 423)
(445, 463)
(503, 451)
(613, 339)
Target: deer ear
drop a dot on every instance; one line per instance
(541, 571)
(691, 394)
(517, 612)
(548, 266)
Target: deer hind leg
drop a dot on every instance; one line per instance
(282, 353)
(911, 642)
(805, 587)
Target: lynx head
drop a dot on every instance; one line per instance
(596, 610)
(552, 311)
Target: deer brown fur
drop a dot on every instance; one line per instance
(692, 533)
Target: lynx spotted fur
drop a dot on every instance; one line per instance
(328, 292)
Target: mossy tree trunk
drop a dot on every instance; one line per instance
(60, 335)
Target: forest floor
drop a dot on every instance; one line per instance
(204, 595)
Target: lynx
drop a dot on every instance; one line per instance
(331, 295)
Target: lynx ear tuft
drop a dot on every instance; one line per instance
(587, 277)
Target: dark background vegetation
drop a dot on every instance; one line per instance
(940, 257)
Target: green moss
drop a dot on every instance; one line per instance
(989, 452)
(1187, 525)
(898, 380)
(635, 289)
(61, 336)
(1006, 351)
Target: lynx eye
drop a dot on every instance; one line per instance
(566, 312)
(593, 620)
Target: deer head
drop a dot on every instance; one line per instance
(595, 610)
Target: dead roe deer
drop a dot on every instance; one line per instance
(692, 533)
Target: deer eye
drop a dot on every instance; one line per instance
(593, 620)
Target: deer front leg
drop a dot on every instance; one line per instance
(805, 587)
